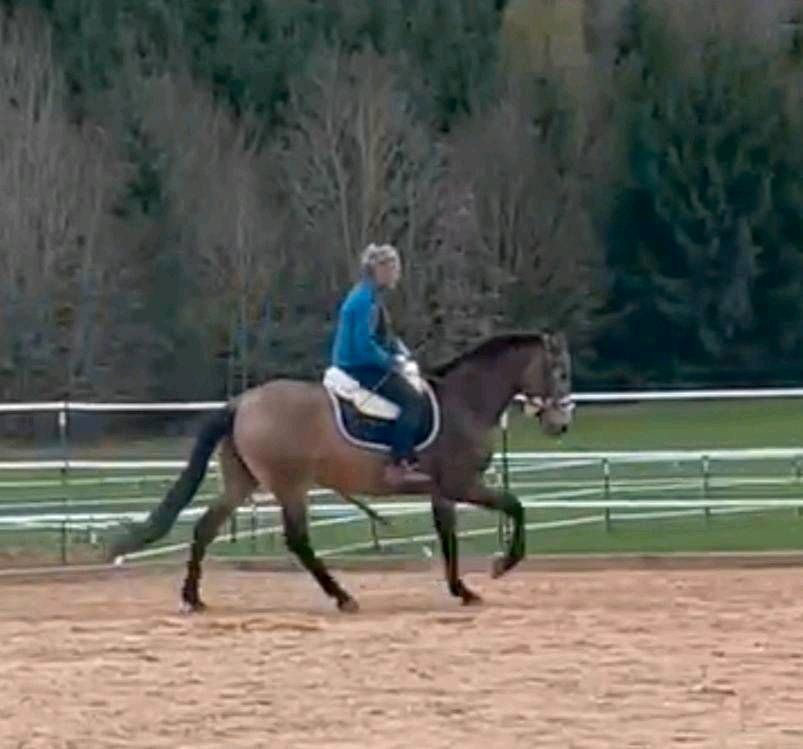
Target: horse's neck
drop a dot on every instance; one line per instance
(485, 390)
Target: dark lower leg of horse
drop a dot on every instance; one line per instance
(445, 524)
(298, 542)
(509, 504)
(367, 509)
(512, 507)
(203, 534)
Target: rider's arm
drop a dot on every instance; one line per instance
(365, 340)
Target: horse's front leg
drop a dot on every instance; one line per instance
(505, 502)
(445, 518)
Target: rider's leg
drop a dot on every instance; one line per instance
(395, 388)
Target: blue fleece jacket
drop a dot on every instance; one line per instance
(357, 344)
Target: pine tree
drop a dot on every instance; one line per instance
(696, 242)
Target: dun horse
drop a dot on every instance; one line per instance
(286, 436)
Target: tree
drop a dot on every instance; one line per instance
(531, 212)
(459, 302)
(544, 36)
(59, 269)
(695, 243)
(221, 229)
(358, 168)
(450, 55)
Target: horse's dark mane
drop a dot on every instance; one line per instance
(488, 348)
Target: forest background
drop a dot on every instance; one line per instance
(186, 185)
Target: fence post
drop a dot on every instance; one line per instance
(798, 475)
(375, 535)
(706, 466)
(64, 475)
(270, 538)
(505, 525)
(233, 528)
(606, 478)
(254, 528)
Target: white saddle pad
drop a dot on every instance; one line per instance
(366, 402)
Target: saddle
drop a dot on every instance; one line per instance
(365, 418)
(370, 404)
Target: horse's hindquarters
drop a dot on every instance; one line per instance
(286, 434)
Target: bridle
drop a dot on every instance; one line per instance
(535, 405)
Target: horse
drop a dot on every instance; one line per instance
(286, 436)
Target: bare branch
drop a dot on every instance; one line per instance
(354, 161)
(55, 257)
(530, 213)
(220, 217)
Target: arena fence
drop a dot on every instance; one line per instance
(74, 502)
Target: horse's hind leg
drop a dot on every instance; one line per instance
(203, 534)
(238, 483)
(445, 517)
(296, 532)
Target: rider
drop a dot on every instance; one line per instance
(366, 349)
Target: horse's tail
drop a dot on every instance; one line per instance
(163, 516)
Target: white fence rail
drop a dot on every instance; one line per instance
(547, 459)
(593, 492)
(657, 496)
(591, 397)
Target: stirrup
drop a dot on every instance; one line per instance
(405, 474)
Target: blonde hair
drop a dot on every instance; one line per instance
(376, 254)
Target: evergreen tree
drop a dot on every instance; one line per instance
(696, 240)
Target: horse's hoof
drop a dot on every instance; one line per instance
(348, 606)
(500, 566)
(192, 608)
(470, 598)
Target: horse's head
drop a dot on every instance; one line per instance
(535, 365)
(546, 384)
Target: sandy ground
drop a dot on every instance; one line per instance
(600, 659)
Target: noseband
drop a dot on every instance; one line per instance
(535, 405)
